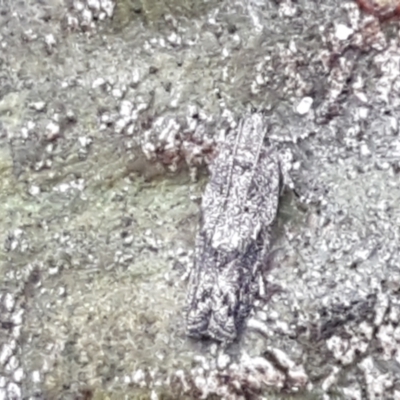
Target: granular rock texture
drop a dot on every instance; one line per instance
(383, 9)
(110, 113)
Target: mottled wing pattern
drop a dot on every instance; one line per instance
(239, 205)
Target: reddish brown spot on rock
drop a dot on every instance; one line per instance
(383, 9)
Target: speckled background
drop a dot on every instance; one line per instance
(110, 113)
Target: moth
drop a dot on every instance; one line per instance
(239, 206)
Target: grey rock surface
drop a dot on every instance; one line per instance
(110, 111)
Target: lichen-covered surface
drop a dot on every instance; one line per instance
(109, 112)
